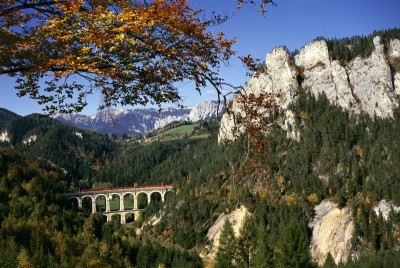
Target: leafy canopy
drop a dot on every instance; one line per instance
(132, 51)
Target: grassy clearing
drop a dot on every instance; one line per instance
(175, 133)
(180, 132)
(202, 136)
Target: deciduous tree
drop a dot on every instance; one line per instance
(132, 51)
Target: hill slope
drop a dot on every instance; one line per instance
(77, 153)
(6, 115)
(329, 193)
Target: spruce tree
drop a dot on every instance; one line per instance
(145, 257)
(245, 242)
(226, 249)
(293, 247)
(263, 255)
(329, 262)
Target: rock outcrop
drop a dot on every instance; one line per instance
(236, 218)
(394, 58)
(30, 139)
(280, 79)
(384, 208)
(371, 80)
(4, 137)
(394, 50)
(332, 230)
(370, 84)
(321, 75)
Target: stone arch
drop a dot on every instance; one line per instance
(87, 203)
(104, 218)
(90, 196)
(115, 203)
(116, 217)
(73, 202)
(142, 199)
(97, 195)
(129, 200)
(129, 217)
(115, 194)
(156, 196)
(101, 205)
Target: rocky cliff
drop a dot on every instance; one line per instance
(236, 218)
(365, 84)
(370, 84)
(332, 230)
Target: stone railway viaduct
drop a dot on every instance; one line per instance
(108, 194)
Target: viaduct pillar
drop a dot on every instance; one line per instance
(107, 204)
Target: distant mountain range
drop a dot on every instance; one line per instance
(141, 121)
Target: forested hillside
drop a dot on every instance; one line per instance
(6, 115)
(349, 159)
(346, 49)
(297, 166)
(77, 153)
(40, 229)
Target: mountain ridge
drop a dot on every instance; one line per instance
(142, 120)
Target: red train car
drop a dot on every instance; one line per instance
(125, 187)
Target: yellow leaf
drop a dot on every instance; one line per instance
(367, 200)
(312, 198)
(85, 49)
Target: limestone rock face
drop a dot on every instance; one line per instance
(394, 58)
(236, 218)
(397, 84)
(4, 137)
(332, 229)
(30, 139)
(323, 76)
(371, 80)
(313, 53)
(364, 84)
(384, 207)
(394, 49)
(280, 79)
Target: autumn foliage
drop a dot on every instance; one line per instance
(254, 119)
(131, 51)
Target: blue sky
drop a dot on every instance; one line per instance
(292, 23)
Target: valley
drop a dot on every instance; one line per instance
(318, 185)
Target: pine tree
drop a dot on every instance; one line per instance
(293, 247)
(226, 249)
(245, 242)
(263, 255)
(145, 257)
(329, 262)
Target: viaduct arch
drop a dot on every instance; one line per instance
(107, 193)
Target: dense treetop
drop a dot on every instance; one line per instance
(356, 155)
